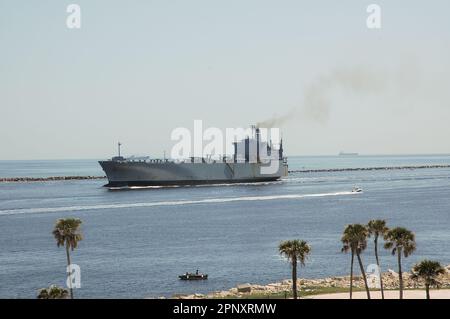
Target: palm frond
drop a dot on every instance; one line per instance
(295, 250)
(354, 238)
(400, 238)
(428, 271)
(67, 232)
(377, 227)
(53, 292)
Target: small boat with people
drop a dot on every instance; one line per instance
(193, 276)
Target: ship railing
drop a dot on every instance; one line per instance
(159, 160)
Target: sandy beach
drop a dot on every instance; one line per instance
(391, 294)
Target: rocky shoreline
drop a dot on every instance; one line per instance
(46, 179)
(390, 281)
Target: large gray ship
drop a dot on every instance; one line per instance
(240, 168)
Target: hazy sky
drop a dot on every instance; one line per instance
(138, 69)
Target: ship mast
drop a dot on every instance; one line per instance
(118, 147)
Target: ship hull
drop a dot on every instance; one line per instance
(127, 174)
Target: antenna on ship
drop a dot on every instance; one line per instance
(118, 146)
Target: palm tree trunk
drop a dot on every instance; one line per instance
(294, 277)
(69, 278)
(363, 274)
(351, 275)
(400, 275)
(427, 289)
(379, 268)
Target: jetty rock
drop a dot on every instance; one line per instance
(390, 281)
(392, 273)
(244, 288)
(48, 179)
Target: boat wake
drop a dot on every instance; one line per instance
(167, 203)
(125, 188)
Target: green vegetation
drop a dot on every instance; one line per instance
(428, 271)
(400, 240)
(295, 251)
(53, 292)
(377, 228)
(67, 233)
(354, 240)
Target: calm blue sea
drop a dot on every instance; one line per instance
(137, 242)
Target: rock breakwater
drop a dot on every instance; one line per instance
(379, 168)
(46, 179)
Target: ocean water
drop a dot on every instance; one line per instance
(137, 242)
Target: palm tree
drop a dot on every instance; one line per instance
(376, 228)
(355, 241)
(67, 233)
(53, 292)
(400, 240)
(428, 271)
(295, 251)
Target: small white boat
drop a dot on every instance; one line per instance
(356, 190)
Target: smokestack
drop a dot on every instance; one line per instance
(280, 151)
(247, 149)
(257, 144)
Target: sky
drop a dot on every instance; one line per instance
(136, 70)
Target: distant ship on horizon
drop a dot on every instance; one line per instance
(347, 154)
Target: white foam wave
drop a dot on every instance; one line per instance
(167, 203)
(202, 185)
